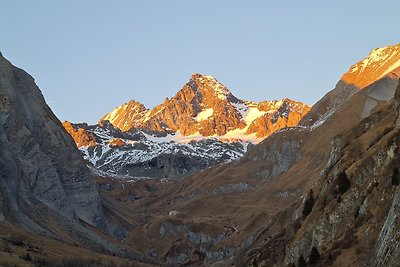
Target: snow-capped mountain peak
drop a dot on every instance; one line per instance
(205, 106)
(203, 124)
(378, 63)
(206, 82)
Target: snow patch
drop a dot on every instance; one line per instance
(240, 134)
(381, 55)
(249, 112)
(321, 121)
(394, 66)
(253, 114)
(278, 104)
(204, 115)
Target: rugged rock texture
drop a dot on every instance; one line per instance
(81, 136)
(356, 199)
(137, 154)
(45, 185)
(202, 125)
(34, 151)
(127, 116)
(288, 115)
(379, 63)
(207, 107)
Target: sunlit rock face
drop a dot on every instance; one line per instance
(131, 139)
(202, 125)
(377, 64)
(207, 107)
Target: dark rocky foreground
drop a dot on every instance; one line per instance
(34, 152)
(45, 186)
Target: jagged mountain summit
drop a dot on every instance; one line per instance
(31, 151)
(380, 63)
(202, 125)
(205, 106)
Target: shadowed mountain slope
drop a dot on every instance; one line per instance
(45, 185)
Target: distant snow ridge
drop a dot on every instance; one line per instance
(147, 155)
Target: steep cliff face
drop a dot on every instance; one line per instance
(35, 149)
(46, 188)
(81, 136)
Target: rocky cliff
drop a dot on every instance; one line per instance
(377, 64)
(355, 201)
(34, 150)
(45, 185)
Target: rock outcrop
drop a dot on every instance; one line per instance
(377, 64)
(81, 136)
(45, 186)
(127, 116)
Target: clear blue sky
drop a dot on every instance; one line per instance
(90, 56)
